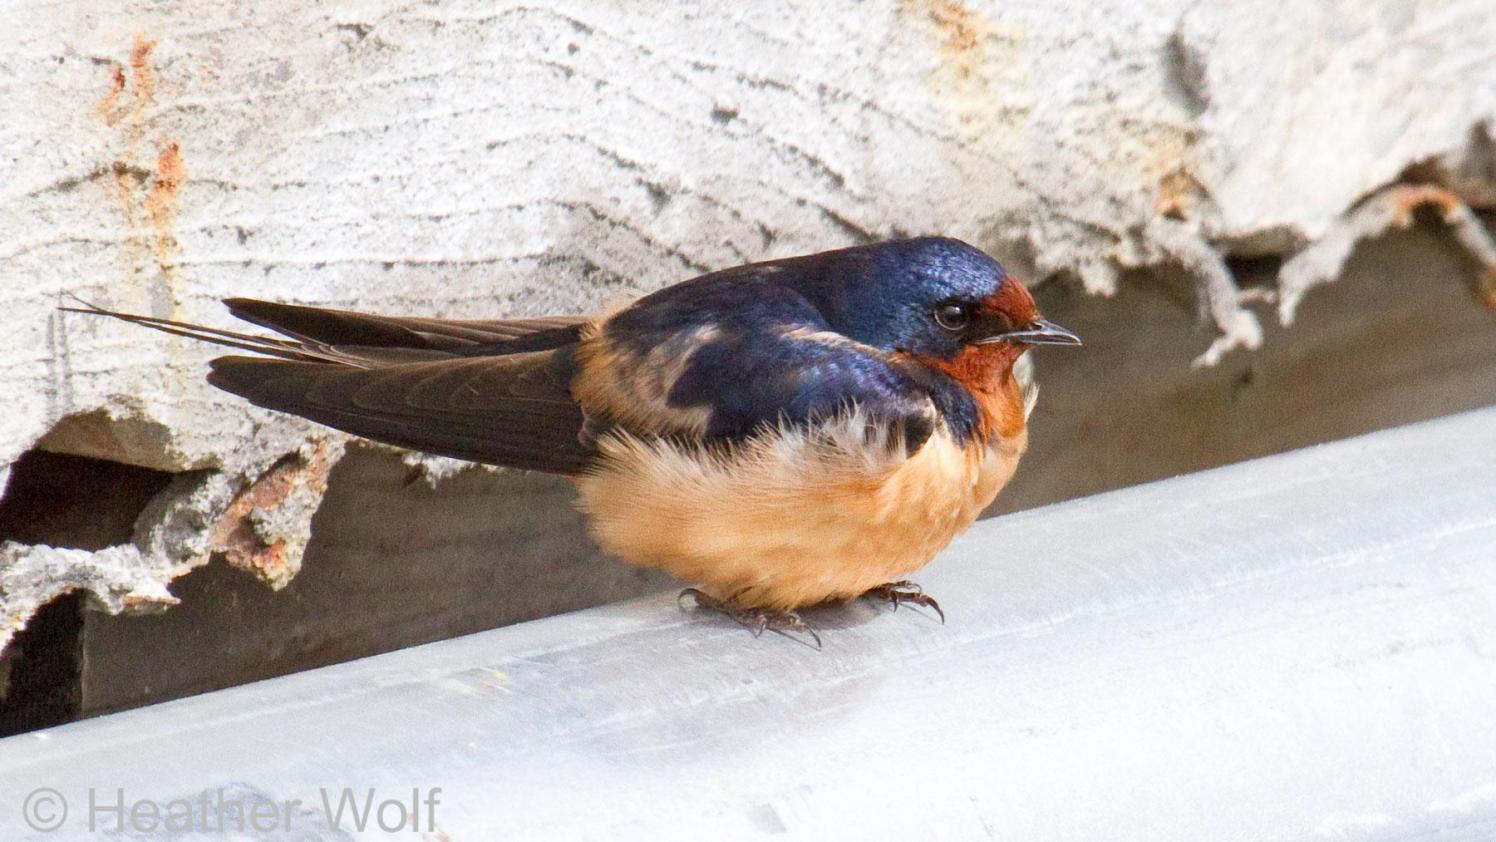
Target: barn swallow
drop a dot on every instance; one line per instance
(778, 434)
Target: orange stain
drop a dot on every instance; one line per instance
(125, 107)
(963, 30)
(1178, 193)
(161, 202)
(140, 68)
(1411, 197)
(235, 534)
(109, 105)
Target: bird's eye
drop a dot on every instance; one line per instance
(952, 316)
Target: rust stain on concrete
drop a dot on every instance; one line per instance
(161, 203)
(137, 604)
(140, 68)
(1179, 193)
(242, 534)
(1411, 197)
(109, 105)
(1467, 228)
(148, 194)
(963, 32)
(139, 84)
(979, 79)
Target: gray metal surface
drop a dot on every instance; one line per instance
(1295, 648)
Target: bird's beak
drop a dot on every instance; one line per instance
(1038, 332)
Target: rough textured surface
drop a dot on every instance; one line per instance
(1394, 341)
(392, 562)
(1324, 260)
(472, 159)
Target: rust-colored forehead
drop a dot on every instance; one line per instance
(1013, 300)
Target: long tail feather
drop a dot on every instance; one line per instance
(268, 345)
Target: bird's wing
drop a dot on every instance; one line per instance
(514, 410)
(711, 384)
(425, 384)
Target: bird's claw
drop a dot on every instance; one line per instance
(905, 591)
(756, 620)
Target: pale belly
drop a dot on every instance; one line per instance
(786, 521)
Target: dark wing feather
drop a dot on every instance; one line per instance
(453, 337)
(800, 381)
(768, 359)
(361, 339)
(513, 410)
(471, 390)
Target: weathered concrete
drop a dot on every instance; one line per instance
(1394, 341)
(471, 159)
(393, 562)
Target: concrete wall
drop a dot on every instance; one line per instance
(473, 159)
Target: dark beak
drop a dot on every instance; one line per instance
(1040, 332)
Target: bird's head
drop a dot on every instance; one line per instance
(946, 304)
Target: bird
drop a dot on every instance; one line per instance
(779, 434)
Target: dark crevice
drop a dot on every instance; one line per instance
(62, 501)
(1255, 270)
(75, 501)
(39, 672)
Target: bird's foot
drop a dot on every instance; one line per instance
(905, 591)
(756, 620)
